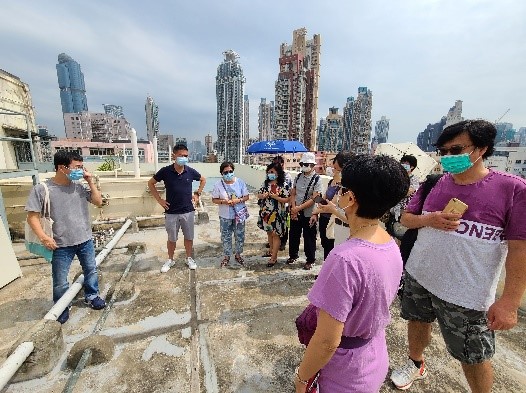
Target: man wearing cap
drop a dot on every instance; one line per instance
(306, 187)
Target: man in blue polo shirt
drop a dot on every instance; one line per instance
(179, 203)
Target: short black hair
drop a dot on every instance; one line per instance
(280, 172)
(64, 157)
(377, 182)
(180, 146)
(481, 132)
(226, 164)
(410, 159)
(342, 158)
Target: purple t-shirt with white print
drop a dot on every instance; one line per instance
(356, 285)
(463, 266)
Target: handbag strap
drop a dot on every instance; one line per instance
(47, 202)
(231, 189)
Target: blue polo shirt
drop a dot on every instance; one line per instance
(178, 188)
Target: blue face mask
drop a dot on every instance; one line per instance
(456, 164)
(228, 176)
(181, 161)
(272, 176)
(76, 174)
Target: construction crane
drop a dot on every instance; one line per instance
(504, 114)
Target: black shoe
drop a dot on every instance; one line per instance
(291, 260)
(267, 245)
(64, 316)
(96, 303)
(308, 265)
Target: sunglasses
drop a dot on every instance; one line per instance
(344, 190)
(227, 172)
(304, 164)
(454, 150)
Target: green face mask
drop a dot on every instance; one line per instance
(456, 164)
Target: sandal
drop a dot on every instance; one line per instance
(225, 261)
(291, 260)
(239, 259)
(271, 263)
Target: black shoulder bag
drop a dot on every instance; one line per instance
(410, 236)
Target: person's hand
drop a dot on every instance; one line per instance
(313, 220)
(49, 243)
(328, 208)
(195, 199)
(230, 202)
(502, 315)
(300, 388)
(443, 221)
(293, 216)
(87, 176)
(295, 210)
(164, 204)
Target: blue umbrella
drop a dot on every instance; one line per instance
(279, 146)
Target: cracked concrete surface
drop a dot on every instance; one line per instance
(212, 330)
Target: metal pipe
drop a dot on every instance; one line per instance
(70, 294)
(119, 220)
(14, 361)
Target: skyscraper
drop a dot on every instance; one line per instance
(265, 120)
(114, 110)
(361, 122)
(230, 101)
(71, 85)
(296, 91)
(330, 136)
(347, 123)
(152, 118)
(246, 124)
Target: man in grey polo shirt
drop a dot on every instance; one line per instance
(307, 186)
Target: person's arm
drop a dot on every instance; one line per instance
(33, 219)
(320, 350)
(502, 315)
(153, 190)
(197, 193)
(96, 196)
(437, 220)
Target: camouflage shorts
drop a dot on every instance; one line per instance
(465, 331)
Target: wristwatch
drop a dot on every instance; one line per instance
(197, 193)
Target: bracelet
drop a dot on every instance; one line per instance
(297, 375)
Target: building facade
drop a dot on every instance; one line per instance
(71, 85)
(230, 101)
(296, 90)
(113, 110)
(265, 114)
(381, 132)
(330, 133)
(361, 122)
(347, 123)
(152, 118)
(95, 126)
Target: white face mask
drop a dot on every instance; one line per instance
(306, 169)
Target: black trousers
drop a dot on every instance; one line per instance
(309, 238)
(327, 244)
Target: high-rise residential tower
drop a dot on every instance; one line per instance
(347, 123)
(230, 101)
(265, 120)
(71, 85)
(330, 136)
(114, 110)
(246, 124)
(361, 122)
(296, 91)
(152, 118)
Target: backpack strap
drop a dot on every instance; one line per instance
(314, 179)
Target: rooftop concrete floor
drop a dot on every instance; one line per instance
(213, 329)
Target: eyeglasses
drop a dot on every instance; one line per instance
(227, 172)
(454, 150)
(305, 164)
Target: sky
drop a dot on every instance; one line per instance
(416, 56)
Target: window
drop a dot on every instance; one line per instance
(518, 161)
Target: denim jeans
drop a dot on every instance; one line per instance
(229, 227)
(62, 258)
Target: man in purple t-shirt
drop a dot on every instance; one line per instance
(455, 264)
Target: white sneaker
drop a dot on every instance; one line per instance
(191, 263)
(404, 376)
(167, 265)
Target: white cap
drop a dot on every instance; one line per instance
(308, 158)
